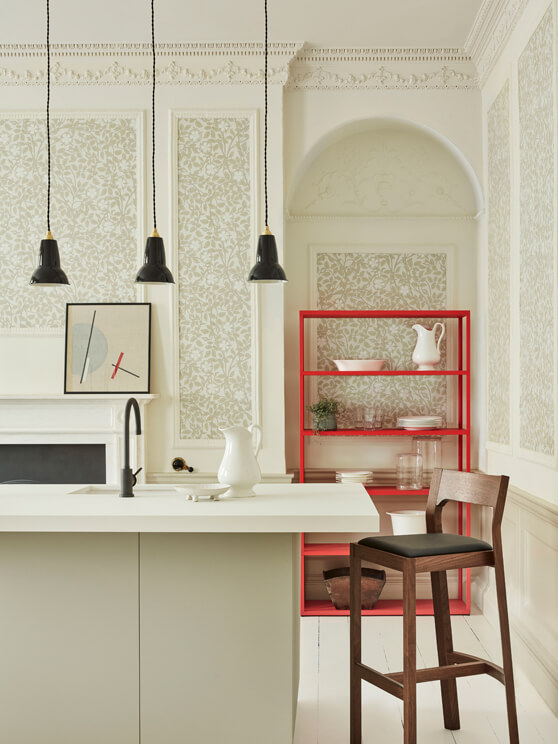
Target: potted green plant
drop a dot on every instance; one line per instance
(324, 412)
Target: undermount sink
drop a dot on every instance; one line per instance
(112, 488)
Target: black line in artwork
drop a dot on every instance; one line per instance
(121, 368)
(88, 344)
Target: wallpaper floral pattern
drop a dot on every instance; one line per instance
(537, 215)
(94, 214)
(499, 215)
(379, 281)
(214, 251)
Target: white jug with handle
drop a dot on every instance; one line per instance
(427, 351)
(239, 468)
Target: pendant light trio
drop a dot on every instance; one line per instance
(154, 270)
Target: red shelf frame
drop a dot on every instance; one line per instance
(461, 605)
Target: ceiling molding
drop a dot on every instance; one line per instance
(495, 21)
(297, 65)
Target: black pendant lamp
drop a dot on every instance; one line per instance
(154, 269)
(49, 272)
(267, 268)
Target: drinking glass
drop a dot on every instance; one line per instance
(369, 417)
(409, 471)
(359, 417)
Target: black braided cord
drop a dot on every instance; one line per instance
(153, 112)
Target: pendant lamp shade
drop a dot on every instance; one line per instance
(154, 269)
(267, 268)
(49, 272)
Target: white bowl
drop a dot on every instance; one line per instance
(359, 365)
(408, 522)
(205, 490)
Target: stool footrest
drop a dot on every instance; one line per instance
(449, 671)
(383, 681)
(456, 657)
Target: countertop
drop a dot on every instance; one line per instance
(299, 507)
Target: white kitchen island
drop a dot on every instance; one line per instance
(156, 619)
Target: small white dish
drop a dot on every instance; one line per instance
(194, 491)
(359, 365)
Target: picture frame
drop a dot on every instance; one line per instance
(107, 347)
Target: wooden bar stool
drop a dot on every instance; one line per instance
(434, 552)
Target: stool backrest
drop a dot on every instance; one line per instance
(471, 488)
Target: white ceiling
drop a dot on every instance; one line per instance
(352, 23)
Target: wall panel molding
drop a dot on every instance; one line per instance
(216, 342)
(499, 277)
(530, 536)
(537, 271)
(97, 164)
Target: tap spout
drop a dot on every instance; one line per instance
(128, 479)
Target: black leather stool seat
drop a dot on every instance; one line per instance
(434, 543)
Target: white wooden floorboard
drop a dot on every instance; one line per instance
(333, 699)
(306, 729)
(323, 716)
(381, 712)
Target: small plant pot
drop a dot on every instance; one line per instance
(337, 582)
(329, 423)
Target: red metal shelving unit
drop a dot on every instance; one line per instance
(462, 604)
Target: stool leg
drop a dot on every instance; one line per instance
(444, 641)
(409, 654)
(355, 636)
(506, 643)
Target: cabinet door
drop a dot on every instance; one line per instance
(69, 638)
(219, 638)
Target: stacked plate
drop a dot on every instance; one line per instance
(417, 423)
(354, 476)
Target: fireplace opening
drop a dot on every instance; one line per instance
(53, 463)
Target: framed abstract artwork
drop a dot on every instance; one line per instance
(107, 347)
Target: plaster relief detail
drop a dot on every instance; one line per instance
(492, 28)
(378, 280)
(384, 172)
(382, 77)
(214, 208)
(94, 212)
(298, 65)
(499, 216)
(537, 216)
(129, 64)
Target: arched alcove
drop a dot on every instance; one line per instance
(381, 214)
(383, 168)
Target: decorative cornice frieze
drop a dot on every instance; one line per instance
(495, 21)
(221, 63)
(382, 77)
(128, 64)
(371, 55)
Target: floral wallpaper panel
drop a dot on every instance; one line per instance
(499, 215)
(537, 216)
(94, 214)
(214, 253)
(379, 281)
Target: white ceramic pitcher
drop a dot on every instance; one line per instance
(427, 351)
(239, 468)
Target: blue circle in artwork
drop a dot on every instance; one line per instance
(97, 352)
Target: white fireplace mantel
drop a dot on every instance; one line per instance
(75, 419)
